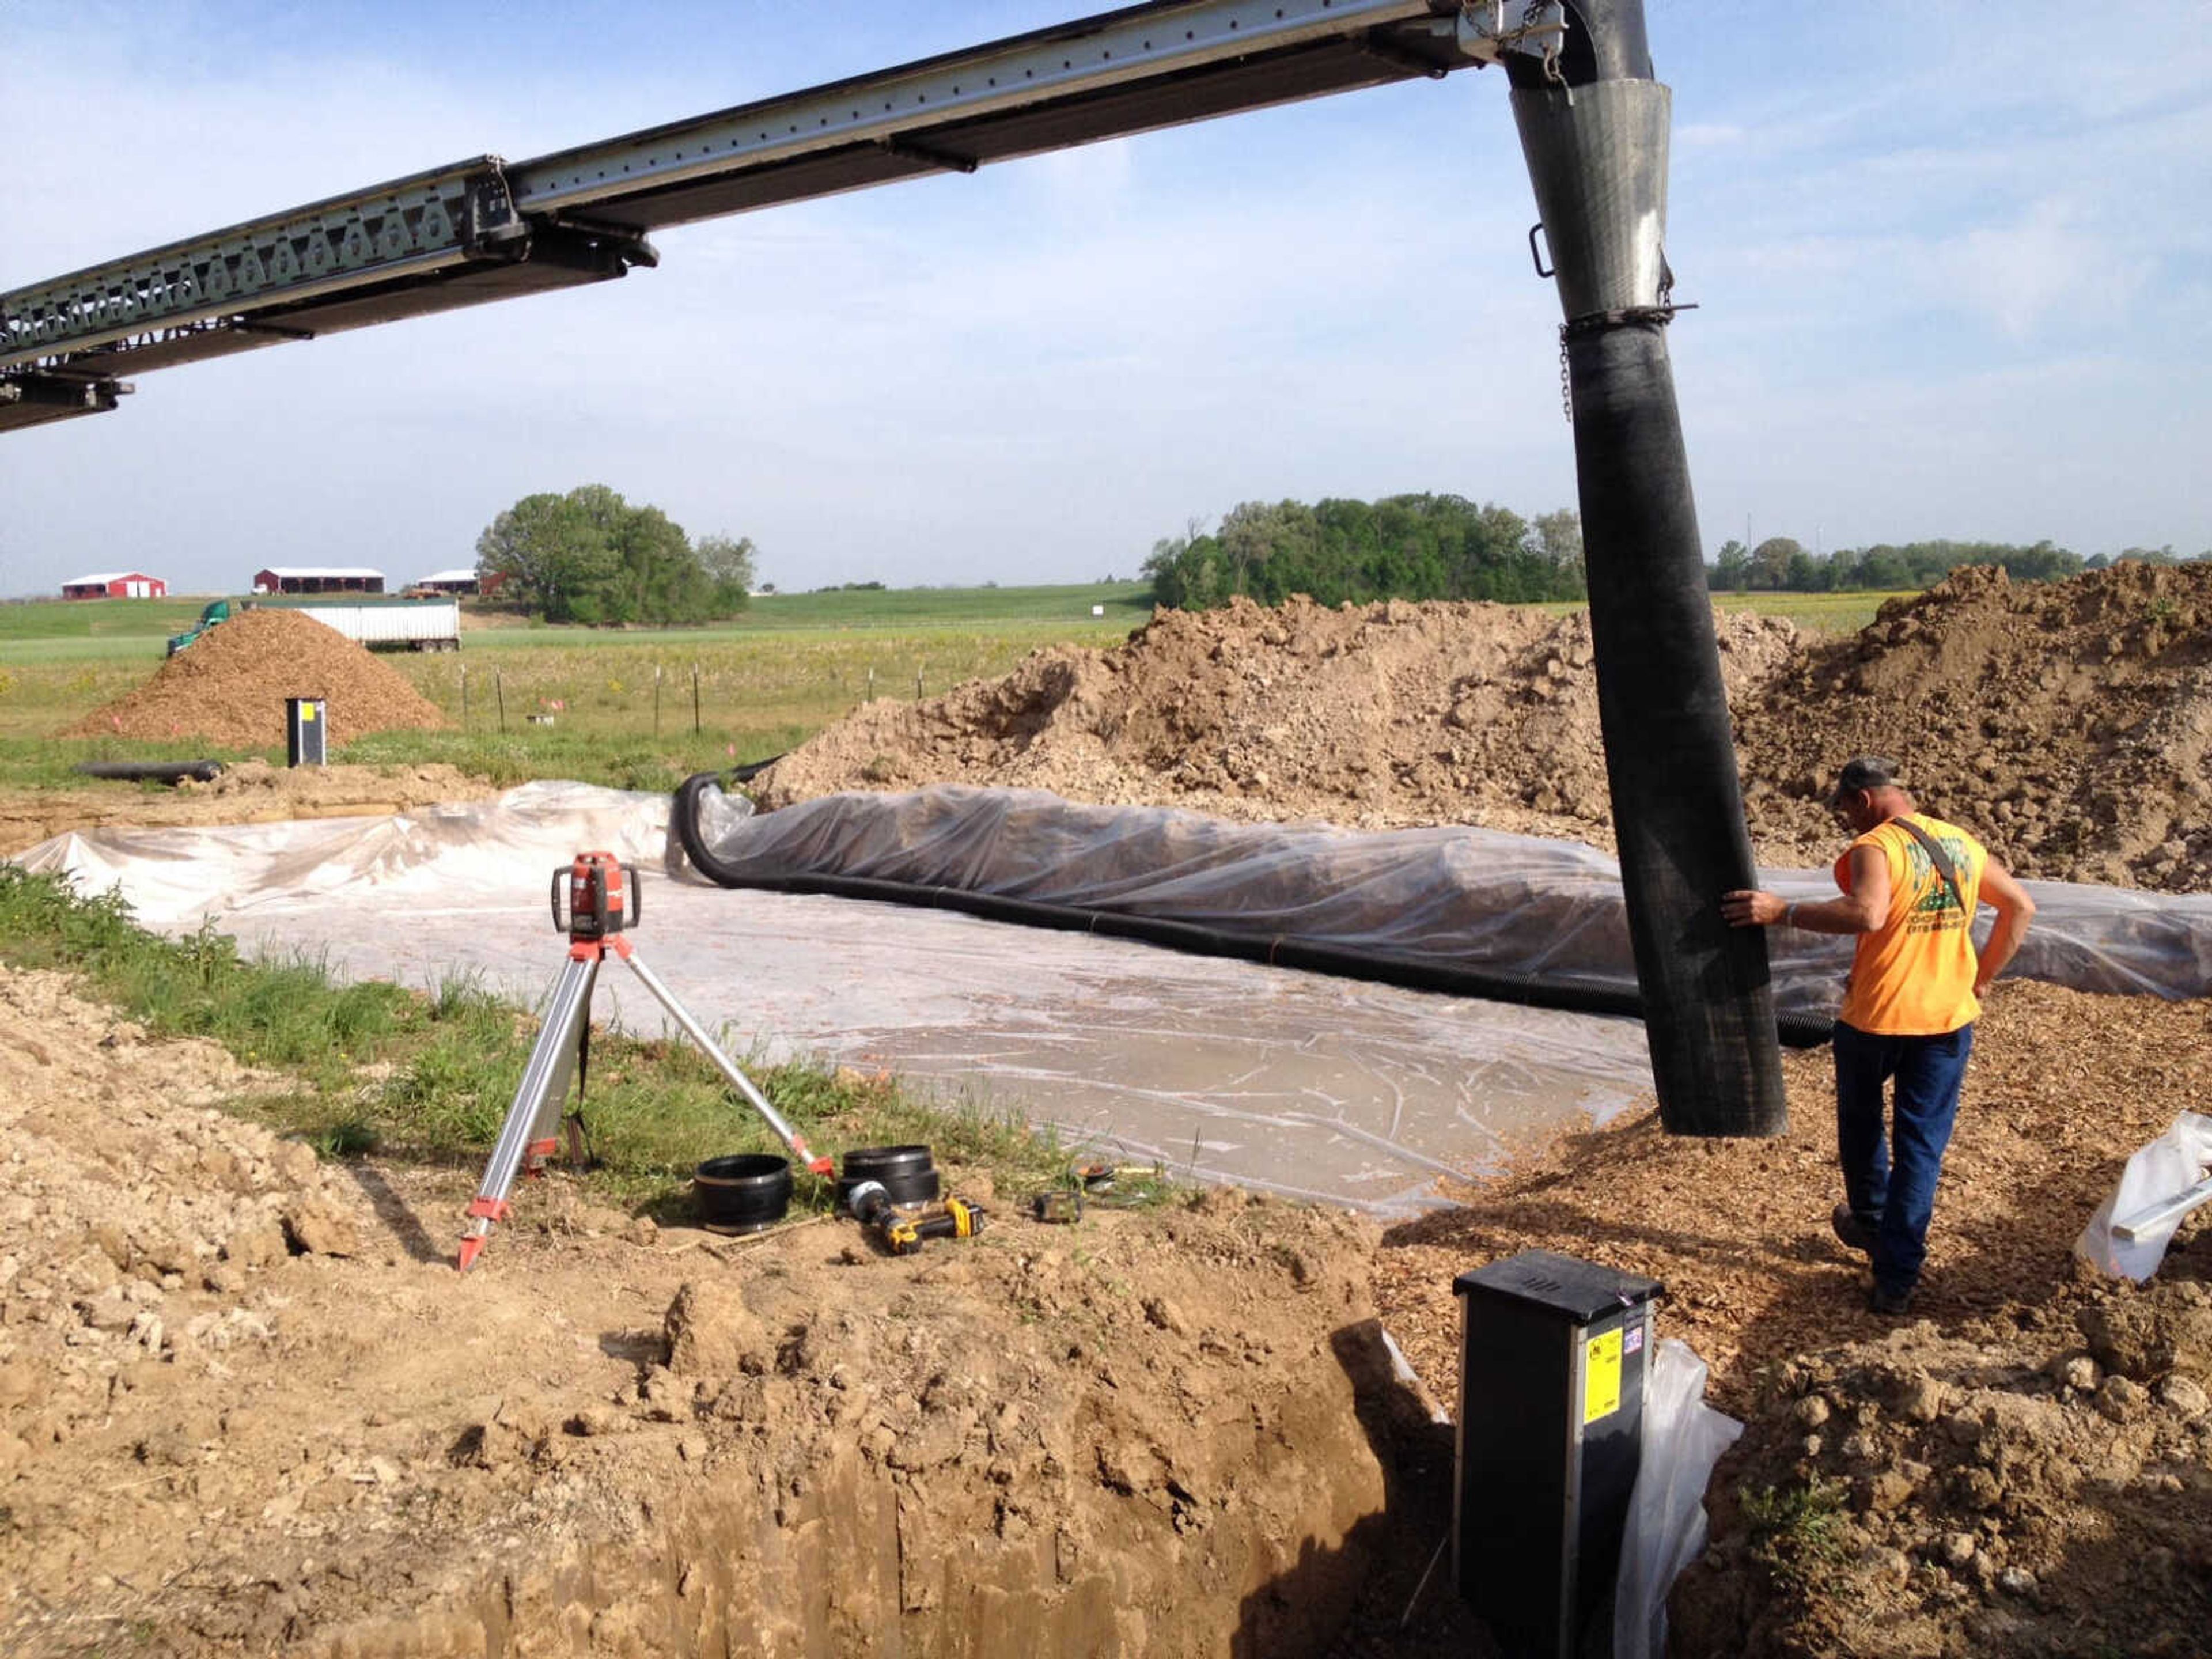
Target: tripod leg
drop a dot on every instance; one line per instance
(537, 1107)
(728, 1067)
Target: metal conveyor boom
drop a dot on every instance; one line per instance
(484, 229)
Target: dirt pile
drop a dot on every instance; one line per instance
(229, 687)
(137, 1222)
(1985, 1493)
(246, 1403)
(1379, 716)
(2068, 722)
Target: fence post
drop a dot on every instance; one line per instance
(499, 690)
(465, 696)
(695, 699)
(656, 700)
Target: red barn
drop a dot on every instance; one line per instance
(115, 585)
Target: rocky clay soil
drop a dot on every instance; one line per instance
(2067, 723)
(247, 1406)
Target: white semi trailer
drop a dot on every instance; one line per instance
(379, 623)
(386, 624)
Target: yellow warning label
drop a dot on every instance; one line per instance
(307, 712)
(1602, 1376)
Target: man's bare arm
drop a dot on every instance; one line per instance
(1859, 911)
(2014, 911)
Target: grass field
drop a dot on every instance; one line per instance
(636, 708)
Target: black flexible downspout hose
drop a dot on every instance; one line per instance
(1595, 139)
(1493, 985)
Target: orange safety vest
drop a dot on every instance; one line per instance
(1914, 974)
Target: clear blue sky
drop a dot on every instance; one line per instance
(1953, 263)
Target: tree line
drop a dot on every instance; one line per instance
(1782, 564)
(590, 557)
(1411, 547)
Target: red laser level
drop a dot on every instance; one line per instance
(601, 901)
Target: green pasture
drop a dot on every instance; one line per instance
(1827, 613)
(634, 708)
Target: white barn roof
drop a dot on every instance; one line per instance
(103, 577)
(322, 570)
(447, 576)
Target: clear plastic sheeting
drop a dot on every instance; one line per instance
(2156, 1176)
(1683, 1438)
(422, 861)
(1447, 897)
(1222, 1071)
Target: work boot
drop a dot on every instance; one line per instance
(1890, 1303)
(1856, 1234)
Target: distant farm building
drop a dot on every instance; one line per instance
(314, 579)
(449, 581)
(115, 585)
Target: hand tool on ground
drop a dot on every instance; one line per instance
(602, 900)
(1057, 1203)
(902, 1234)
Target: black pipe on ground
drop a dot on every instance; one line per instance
(1493, 985)
(200, 771)
(1594, 130)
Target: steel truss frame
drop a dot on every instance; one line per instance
(482, 229)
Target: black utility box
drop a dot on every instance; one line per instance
(1553, 1356)
(306, 731)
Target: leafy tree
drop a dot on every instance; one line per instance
(1734, 569)
(590, 557)
(1559, 538)
(728, 563)
(1770, 561)
(549, 552)
(1415, 547)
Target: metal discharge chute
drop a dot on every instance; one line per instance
(1594, 128)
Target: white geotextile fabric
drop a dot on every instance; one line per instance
(1447, 897)
(1297, 1083)
(1360, 1093)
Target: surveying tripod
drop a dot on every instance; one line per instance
(603, 900)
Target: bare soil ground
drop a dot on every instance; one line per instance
(246, 1406)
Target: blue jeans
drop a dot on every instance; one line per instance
(1892, 1187)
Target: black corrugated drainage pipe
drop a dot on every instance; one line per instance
(200, 771)
(1495, 985)
(1594, 130)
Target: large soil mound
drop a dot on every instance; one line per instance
(2067, 722)
(228, 688)
(1379, 716)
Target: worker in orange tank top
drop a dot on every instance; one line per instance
(1911, 886)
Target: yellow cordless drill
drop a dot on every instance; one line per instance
(902, 1235)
